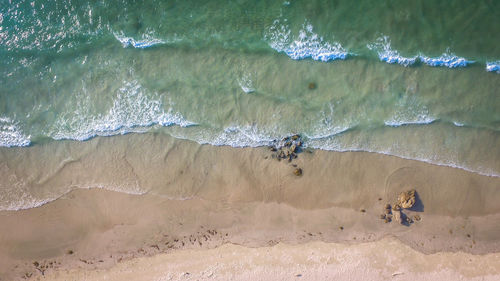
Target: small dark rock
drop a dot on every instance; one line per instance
(297, 172)
(312, 86)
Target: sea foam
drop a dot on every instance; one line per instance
(132, 111)
(306, 44)
(493, 66)
(11, 134)
(447, 59)
(408, 111)
(146, 41)
(246, 83)
(385, 52)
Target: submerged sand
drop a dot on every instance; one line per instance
(114, 200)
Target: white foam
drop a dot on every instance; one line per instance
(306, 44)
(241, 136)
(385, 52)
(493, 66)
(246, 83)
(25, 201)
(132, 111)
(367, 144)
(409, 111)
(420, 119)
(146, 41)
(328, 126)
(329, 132)
(447, 59)
(11, 134)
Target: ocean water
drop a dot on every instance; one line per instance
(415, 79)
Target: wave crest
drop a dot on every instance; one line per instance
(132, 110)
(146, 41)
(385, 52)
(493, 66)
(447, 59)
(306, 44)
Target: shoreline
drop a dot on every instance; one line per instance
(202, 197)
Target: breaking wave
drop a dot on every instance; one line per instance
(146, 41)
(493, 66)
(11, 134)
(447, 59)
(386, 54)
(132, 111)
(306, 44)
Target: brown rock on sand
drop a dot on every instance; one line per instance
(297, 172)
(406, 199)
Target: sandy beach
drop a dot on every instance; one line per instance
(153, 207)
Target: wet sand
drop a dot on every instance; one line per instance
(111, 201)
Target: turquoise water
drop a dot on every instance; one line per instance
(415, 79)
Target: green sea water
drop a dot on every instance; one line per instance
(414, 79)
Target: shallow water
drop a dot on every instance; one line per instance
(415, 79)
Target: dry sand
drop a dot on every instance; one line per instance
(386, 259)
(198, 202)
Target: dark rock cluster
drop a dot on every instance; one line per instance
(287, 149)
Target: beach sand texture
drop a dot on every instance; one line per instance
(144, 204)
